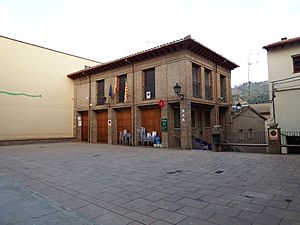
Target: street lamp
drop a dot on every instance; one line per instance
(249, 83)
(177, 90)
(249, 64)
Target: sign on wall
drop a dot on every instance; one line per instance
(148, 95)
(79, 122)
(164, 125)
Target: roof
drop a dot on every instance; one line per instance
(38, 46)
(262, 107)
(237, 113)
(186, 43)
(283, 42)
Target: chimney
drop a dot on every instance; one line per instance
(284, 38)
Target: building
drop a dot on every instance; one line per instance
(264, 109)
(138, 91)
(284, 78)
(248, 126)
(36, 98)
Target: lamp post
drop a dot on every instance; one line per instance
(249, 83)
(249, 64)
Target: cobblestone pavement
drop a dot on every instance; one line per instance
(79, 183)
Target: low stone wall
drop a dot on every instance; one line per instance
(35, 141)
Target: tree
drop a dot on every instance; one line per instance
(259, 92)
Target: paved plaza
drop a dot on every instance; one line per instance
(80, 183)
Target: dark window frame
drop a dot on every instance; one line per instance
(101, 92)
(296, 63)
(206, 117)
(149, 82)
(121, 87)
(208, 84)
(177, 118)
(250, 134)
(196, 80)
(241, 134)
(223, 87)
(193, 118)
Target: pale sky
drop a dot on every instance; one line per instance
(107, 30)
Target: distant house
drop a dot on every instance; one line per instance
(263, 109)
(284, 78)
(248, 126)
(36, 97)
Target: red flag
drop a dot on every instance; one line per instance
(116, 86)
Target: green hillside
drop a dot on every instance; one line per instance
(259, 92)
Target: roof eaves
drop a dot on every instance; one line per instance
(160, 50)
(282, 43)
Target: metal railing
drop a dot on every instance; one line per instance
(245, 137)
(290, 140)
(290, 133)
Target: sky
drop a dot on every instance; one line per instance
(107, 30)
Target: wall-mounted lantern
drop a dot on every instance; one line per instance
(177, 90)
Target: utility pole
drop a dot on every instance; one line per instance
(249, 64)
(249, 83)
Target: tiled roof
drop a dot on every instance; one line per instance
(262, 107)
(186, 43)
(283, 42)
(235, 113)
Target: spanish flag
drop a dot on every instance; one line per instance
(116, 86)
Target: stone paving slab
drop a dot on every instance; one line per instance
(22, 207)
(80, 183)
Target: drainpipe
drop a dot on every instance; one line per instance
(273, 102)
(217, 119)
(89, 112)
(133, 106)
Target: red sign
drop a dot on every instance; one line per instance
(161, 103)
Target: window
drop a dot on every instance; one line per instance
(250, 134)
(241, 136)
(222, 87)
(296, 63)
(149, 84)
(208, 84)
(122, 80)
(193, 115)
(176, 118)
(196, 76)
(207, 118)
(100, 92)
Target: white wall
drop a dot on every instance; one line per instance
(287, 107)
(34, 70)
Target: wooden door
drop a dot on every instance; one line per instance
(102, 134)
(151, 120)
(123, 121)
(85, 126)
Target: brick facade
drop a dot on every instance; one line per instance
(171, 67)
